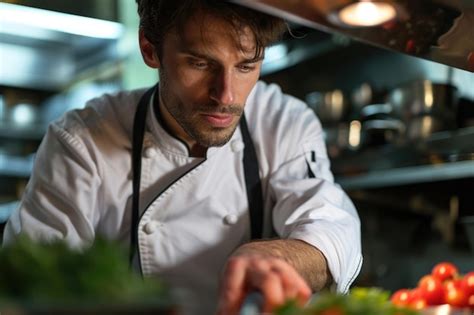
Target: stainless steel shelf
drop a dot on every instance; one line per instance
(409, 175)
(289, 57)
(16, 166)
(30, 132)
(47, 50)
(6, 209)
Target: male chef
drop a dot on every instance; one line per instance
(219, 183)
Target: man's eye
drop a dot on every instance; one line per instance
(198, 64)
(246, 68)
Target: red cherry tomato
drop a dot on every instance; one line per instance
(432, 290)
(444, 271)
(418, 303)
(470, 302)
(467, 283)
(401, 297)
(455, 295)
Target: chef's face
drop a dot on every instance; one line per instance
(206, 75)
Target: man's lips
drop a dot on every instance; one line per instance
(219, 120)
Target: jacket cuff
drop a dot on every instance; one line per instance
(344, 262)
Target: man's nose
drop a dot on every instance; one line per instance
(222, 89)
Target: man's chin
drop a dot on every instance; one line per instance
(216, 137)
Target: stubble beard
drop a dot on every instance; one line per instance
(190, 119)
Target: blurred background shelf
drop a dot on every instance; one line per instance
(6, 209)
(408, 175)
(15, 132)
(16, 166)
(47, 50)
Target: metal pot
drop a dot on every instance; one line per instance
(424, 98)
(343, 137)
(330, 107)
(382, 131)
(423, 127)
(376, 110)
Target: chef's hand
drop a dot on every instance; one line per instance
(274, 278)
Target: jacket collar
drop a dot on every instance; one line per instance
(159, 136)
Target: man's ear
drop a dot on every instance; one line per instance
(149, 54)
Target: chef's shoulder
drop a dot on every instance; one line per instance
(279, 121)
(106, 118)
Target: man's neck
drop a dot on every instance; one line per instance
(175, 130)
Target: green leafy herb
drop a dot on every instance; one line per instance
(360, 301)
(39, 273)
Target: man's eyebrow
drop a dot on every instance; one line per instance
(254, 59)
(207, 57)
(195, 54)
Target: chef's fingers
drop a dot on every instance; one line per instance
(295, 287)
(278, 282)
(270, 285)
(232, 291)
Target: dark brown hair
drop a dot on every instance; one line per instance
(157, 17)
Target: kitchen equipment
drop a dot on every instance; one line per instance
(468, 223)
(465, 116)
(424, 98)
(374, 110)
(382, 131)
(330, 107)
(362, 95)
(252, 304)
(425, 107)
(343, 137)
(422, 127)
(418, 29)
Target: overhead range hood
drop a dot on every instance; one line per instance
(437, 30)
(44, 49)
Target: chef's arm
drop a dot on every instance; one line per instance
(61, 194)
(307, 260)
(280, 270)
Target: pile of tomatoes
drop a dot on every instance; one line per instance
(443, 286)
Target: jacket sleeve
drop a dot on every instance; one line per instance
(62, 193)
(312, 207)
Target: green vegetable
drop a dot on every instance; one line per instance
(360, 301)
(39, 273)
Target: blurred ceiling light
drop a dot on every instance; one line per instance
(428, 97)
(355, 133)
(275, 53)
(23, 114)
(12, 16)
(365, 13)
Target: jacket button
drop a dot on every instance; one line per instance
(151, 227)
(149, 152)
(230, 219)
(237, 145)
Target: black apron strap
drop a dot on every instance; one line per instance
(313, 159)
(252, 182)
(251, 170)
(139, 124)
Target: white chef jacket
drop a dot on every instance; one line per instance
(193, 211)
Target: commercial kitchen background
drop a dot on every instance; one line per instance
(412, 180)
